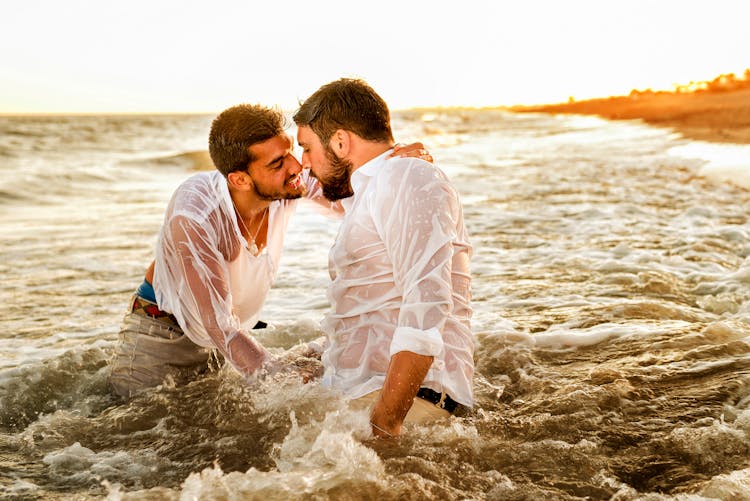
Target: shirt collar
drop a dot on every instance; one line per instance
(367, 170)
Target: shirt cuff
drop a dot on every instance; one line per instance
(428, 343)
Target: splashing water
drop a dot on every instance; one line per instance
(611, 287)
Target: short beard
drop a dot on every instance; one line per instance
(273, 196)
(338, 184)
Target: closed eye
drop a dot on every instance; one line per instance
(277, 163)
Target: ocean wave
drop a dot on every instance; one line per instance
(9, 195)
(61, 184)
(190, 160)
(74, 380)
(611, 305)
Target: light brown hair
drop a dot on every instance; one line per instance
(347, 104)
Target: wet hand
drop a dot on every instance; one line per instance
(315, 348)
(415, 150)
(308, 369)
(301, 360)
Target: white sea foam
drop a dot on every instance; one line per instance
(80, 463)
(723, 162)
(562, 337)
(611, 305)
(313, 458)
(733, 485)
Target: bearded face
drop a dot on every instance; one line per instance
(336, 183)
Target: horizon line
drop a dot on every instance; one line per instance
(213, 113)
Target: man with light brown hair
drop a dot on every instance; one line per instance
(217, 256)
(399, 336)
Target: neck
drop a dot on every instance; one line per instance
(248, 205)
(366, 151)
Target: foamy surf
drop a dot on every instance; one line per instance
(611, 300)
(722, 162)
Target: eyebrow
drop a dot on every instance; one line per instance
(283, 155)
(277, 159)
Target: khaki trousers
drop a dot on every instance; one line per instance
(421, 410)
(149, 352)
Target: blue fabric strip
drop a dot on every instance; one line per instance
(146, 291)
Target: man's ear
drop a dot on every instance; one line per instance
(239, 179)
(341, 143)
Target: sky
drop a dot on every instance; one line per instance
(83, 56)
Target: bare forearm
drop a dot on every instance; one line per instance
(406, 372)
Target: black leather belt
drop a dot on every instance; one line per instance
(442, 400)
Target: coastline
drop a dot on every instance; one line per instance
(713, 116)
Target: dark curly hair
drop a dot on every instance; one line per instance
(236, 129)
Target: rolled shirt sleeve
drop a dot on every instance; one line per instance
(418, 212)
(421, 342)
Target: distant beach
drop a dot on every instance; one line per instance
(717, 113)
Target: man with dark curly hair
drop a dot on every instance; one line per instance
(216, 257)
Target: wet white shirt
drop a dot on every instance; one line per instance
(401, 281)
(204, 274)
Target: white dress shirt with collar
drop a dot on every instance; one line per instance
(400, 280)
(205, 275)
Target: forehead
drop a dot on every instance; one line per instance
(273, 147)
(306, 136)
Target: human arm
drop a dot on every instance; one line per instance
(203, 303)
(150, 272)
(406, 371)
(416, 214)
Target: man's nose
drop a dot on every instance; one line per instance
(306, 160)
(293, 165)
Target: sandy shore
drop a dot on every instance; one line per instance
(707, 116)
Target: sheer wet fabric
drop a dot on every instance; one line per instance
(400, 280)
(206, 277)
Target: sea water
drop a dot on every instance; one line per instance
(611, 294)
